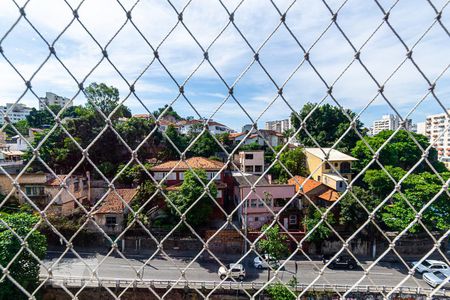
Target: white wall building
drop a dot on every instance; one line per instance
(437, 129)
(390, 122)
(251, 161)
(279, 126)
(18, 112)
(53, 99)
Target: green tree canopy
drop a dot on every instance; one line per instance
(273, 243)
(326, 125)
(25, 268)
(352, 214)
(106, 98)
(190, 190)
(401, 151)
(293, 159)
(313, 217)
(419, 189)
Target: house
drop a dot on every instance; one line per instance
(252, 212)
(187, 126)
(175, 177)
(315, 191)
(111, 215)
(250, 161)
(78, 187)
(261, 137)
(31, 184)
(325, 172)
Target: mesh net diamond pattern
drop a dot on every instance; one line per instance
(182, 274)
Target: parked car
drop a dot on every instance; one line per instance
(437, 277)
(341, 261)
(430, 265)
(260, 263)
(236, 271)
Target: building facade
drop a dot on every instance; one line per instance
(16, 112)
(53, 99)
(334, 172)
(279, 126)
(438, 132)
(251, 161)
(391, 122)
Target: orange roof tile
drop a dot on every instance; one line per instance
(308, 184)
(193, 162)
(330, 195)
(235, 134)
(112, 204)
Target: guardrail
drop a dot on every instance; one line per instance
(68, 282)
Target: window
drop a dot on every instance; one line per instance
(219, 193)
(248, 168)
(256, 219)
(258, 169)
(85, 184)
(111, 221)
(260, 203)
(253, 202)
(159, 175)
(76, 186)
(293, 219)
(248, 156)
(181, 175)
(341, 184)
(34, 190)
(327, 166)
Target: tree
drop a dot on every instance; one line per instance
(169, 112)
(279, 291)
(205, 146)
(419, 189)
(401, 151)
(106, 98)
(321, 121)
(42, 118)
(25, 268)
(313, 217)
(273, 243)
(352, 214)
(180, 141)
(190, 190)
(379, 182)
(133, 174)
(293, 159)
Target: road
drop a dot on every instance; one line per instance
(160, 268)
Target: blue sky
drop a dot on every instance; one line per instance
(231, 55)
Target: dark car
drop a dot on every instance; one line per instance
(341, 261)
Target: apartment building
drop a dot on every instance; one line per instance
(437, 129)
(279, 125)
(16, 112)
(391, 122)
(250, 161)
(53, 99)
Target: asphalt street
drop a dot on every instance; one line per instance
(160, 268)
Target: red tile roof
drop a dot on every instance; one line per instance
(194, 163)
(112, 204)
(308, 184)
(330, 195)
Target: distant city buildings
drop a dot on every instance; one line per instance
(437, 129)
(279, 126)
(53, 99)
(17, 113)
(391, 122)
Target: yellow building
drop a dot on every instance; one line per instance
(336, 173)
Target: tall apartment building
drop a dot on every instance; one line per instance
(390, 122)
(437, 129)
(279, 126)
(53, 99)
(18, 112)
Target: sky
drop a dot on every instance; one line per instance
(154, 23)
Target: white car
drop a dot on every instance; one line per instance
(437, 277)
(236, 271)
(430, 265)
(260, 263)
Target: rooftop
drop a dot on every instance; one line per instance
(330, 195)
(308, 184)
(193, 162)
(112, 204)
(333, 155)
(242, 179)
